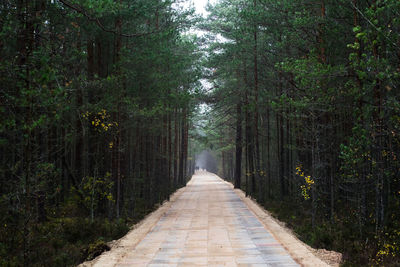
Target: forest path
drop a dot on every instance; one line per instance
(207, 224)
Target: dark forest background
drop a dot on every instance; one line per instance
(104, 108)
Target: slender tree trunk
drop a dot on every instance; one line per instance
(256, 135)
(378, 143)
(25, 47)
(90, 59)
(250, 152)
(182, 150)
(169, 158)
(238, 163)
(247, 142)
(117, 59)
(321, 33)
(268, 154)
(176, 146)
(99, 53)
(279, 129)
(314, 147)
(184, 146)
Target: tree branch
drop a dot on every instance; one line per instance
(82, 11)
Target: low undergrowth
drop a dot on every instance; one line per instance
(340, 234)
(66, 238)
(59, 241)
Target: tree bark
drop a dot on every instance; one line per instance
(238, 163)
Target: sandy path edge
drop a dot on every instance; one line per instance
(122, 246)
(298, 250)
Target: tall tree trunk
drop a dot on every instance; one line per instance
(176, 148)
(182, 148)
(238, 163)
(117, 59)
(250, 151)
(169, 158)
(256, 135)
(280, 143)
(25, 49)
(268, 153)
(378, 138)
(321, 33)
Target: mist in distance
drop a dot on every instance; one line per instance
(206, 160)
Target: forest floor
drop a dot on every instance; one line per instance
(208, 223)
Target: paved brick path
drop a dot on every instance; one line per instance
(208, 225)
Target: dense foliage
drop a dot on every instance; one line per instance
(96, 98)
(307, 93)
